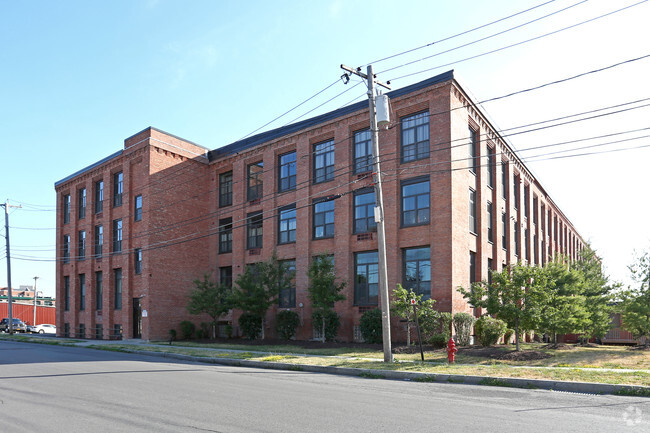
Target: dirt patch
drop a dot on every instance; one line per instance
(645, 348)
(296, 343)
(401, 350)
(505, 355)
(559, 346)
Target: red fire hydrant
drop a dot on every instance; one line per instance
(451, 350)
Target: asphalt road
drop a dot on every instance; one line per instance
(68, 389)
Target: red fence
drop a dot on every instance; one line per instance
(25, 312)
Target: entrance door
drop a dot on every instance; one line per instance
(137, 318)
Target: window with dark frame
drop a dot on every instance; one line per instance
(81, 205)
(287, 296)
(490, 216)
(287, 179)
(99, 241)
(526, 201)
(416, 271)
(516, 235)
(473, 150)
(491, 167)
(254, 175)
(137, 255)
(515, 191)
(118, 189)
(504, 231)
(254, 235)
(81, 250)
(66, 293)
(472, 267)
(82, 331)
(323, 219)
(225, 235)
(99, 290)
(415, 137)
(66, 208)
(366, 278)
(225, 189)
(287, 224)
(415, 202)
(526, 244)
(363, 162)
(504, 180)
(473, 226)
(137, 211)
(364, 211)
(535, 210)
(99, 196)
(117, 278)
(225, 276)
(490, 269)
(66, 249)
(99, 331)
(117, 236)
(324, 161)
(82, 292)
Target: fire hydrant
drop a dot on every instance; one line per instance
(451, 350)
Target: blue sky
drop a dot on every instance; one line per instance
(78, 77)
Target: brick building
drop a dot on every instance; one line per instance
(136, 228)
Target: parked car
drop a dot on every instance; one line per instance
(45, 328)
(18, 326)
(30, 328)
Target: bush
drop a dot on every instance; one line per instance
(251, 325)
(200, 334)
(371, 326)
(286, 324)
(332, 323)
(489, 330)
(463, 325)
(172, 334)
(438, 340)
(187, 329)
(508, 335)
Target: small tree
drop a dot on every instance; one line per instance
(636, 302)
(402, 307)
(371, 327)
(324, 292)
(463, 323)
(489, 330)
(286, 324)
(209, 298)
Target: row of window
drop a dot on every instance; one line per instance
(98, 288)
(118, 191)
(98, 334)
(415, 211)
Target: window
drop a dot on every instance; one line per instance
(473, 226)
(81, 208)
(515, 191)
(99, 332)
(490, 269)
(526, 200)
(535, 210)
(99, 290)
(117, 236)
(504, 180)
(504, 231)
(536, 248)
(415, 202)
(323, 219)
(255, 183)
(472, 267)
(117, 331)
(225, 276)
(366, 278)
(287, 180)
(81, 251)
(82, 331)
(324, 161)
(417, 271)
(225, 189)
(490, 230)
(137, 254)
(225, 235)
(362, 151)
(99, 196)
(99, 241)
(254, 230)
(473, 151)
(526, 245)
(287, 297)
(66, 248)
(66, 293)
(491, 167)
(82, 292)
(118, 189)
(137, 212)
(516, 234)
(364, 211)
(66, 208)
(287, 225)
(415, 137)
(117, 278)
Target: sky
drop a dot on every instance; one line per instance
(78, 77)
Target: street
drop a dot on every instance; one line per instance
(47, 388)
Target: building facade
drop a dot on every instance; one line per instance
(135, 229)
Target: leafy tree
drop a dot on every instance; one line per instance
(324, 292)
(259, 286)
(463, 325)
(636, 301)
(209, 298)
(371, 327)
(402, 307)
(489, 330)
(286, 323)
(516, 296)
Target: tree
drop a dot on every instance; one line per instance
(402, 307)
(324, 291)
(209, 298)
(259, 286)
(515, 296)
(636, 301)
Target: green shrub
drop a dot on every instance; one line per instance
(286, 324)
(200, 334)
(251, 325)
(187, 329)
(172, 334)
(438, 340)
(508, 335)
(489, 330)
(371, 326)
(332, 323)
(463, 325)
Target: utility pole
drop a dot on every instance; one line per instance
(6, 205)
(34, 322)
(379, 205)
